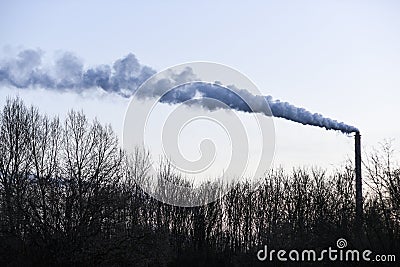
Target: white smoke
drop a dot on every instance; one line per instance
(125, 75)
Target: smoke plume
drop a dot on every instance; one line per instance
(67, 73)
(125, 75)
(241, 100)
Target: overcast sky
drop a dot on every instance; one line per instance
(337, 58)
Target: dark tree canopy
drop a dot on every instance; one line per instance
(68, 197)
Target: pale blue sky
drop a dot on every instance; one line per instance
(338, 58)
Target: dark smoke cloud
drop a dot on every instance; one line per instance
(125, 75)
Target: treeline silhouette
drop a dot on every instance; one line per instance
(68, 196)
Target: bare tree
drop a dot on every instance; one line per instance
(69, 194)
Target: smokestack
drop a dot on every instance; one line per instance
(359, 198)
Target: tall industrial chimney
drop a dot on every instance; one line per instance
(359, 198)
